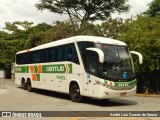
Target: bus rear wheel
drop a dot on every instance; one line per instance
(75, 93)
(29, 86)
(23, 84)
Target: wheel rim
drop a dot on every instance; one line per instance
(29, 85)
(76, 93)
(23, 84)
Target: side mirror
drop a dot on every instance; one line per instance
(100, 53)
(139, 55)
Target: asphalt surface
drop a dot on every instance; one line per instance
(14, 98)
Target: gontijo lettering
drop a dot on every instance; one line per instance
(18, 69)
(55, 68)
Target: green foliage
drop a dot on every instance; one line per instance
(84, 10)
(154, 8)
(143, 35)
(37, 34)
(14, 27)
(89, 29)
(22, 35)
(17, 29)
(3, 35)
(111, 27)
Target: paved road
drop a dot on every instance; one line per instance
(14, 98)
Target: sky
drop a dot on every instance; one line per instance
(21, 10)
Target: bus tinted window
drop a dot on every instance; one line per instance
(60, 54)
(21, 58)
(45, 55)
(55, 54)
(82, 47)
(71, 53)
(67, 53)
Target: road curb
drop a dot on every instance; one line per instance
(148, 95)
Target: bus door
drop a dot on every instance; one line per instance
(92, 70)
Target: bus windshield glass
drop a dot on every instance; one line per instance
(117, 62)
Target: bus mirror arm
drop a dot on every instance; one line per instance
(100, 53)
(139, 55)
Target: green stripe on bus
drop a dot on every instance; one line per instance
(35, 69)
(70, 68)
(22, 69)
(126, 83)
(57, 68)
(123, 83)
(38, 77)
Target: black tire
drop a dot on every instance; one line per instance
(75, 94)
(24, 85)
(29, 86)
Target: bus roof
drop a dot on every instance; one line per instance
(95, 39)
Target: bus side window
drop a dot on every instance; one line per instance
(75, 56)
(82, 47)
(71, 53)
(18, 58)
(60, 57)
(66, 50)
(45, 55)
(53, 53)
(31, 57)
(27, 60)
(21, 58)
(56, 53)
(35, 57)
(92, 64)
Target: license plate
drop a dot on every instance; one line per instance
(123, 94)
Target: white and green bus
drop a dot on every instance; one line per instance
(89, 66)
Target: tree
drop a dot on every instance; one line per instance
(37, 34)
(3, 35)
(84, 10)
(111, 27)
(17, 29)
(59, 31)
(15, 26)
(88, 28)
(142, 35)
(11, 27)
(154, 8)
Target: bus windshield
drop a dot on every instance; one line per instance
(117, 62)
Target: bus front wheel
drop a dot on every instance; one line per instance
(75, 93)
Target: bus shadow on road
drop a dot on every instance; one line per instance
(87, 100)
(52, 94)
(110, 103)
